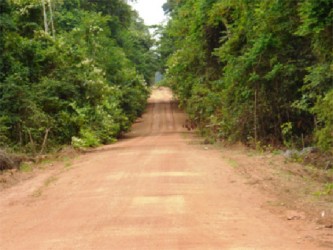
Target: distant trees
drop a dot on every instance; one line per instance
(255, 71)
(73, 71)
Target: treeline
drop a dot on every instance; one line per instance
(257, 71)
(73, 71)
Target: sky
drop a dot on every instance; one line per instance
(150, 10)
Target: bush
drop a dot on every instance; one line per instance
(87, 139)
(8, 161)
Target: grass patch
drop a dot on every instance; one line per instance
(67, 162)
(38, 192)
(50, 180)
(276, 203)
(276, 152)
(327, 190)
(233, 163)
(252, 154)
(46, 161)
(25, 167)
(286, 175)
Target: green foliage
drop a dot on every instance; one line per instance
(324, 130)
(286, 129)
(87, 139)
(88, 81)
(25, 167)
(327, 190)
(247, 70)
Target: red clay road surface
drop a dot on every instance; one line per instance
(151, 190)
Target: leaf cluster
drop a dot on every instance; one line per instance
(243, 69)
(84, 85)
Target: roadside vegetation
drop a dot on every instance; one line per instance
(259, 72)
(71, 72)
(77, 73)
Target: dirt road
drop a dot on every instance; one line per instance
(151, 190)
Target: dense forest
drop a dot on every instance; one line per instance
(71, 72)
(78, 71)
(257, 71)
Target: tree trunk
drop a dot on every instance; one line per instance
(44, 141)
(46, 28)
(51, 17)
(33, 146)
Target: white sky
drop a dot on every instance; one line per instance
(150, 10)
